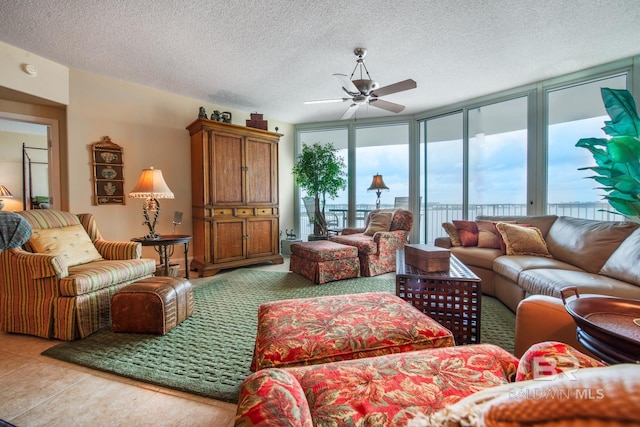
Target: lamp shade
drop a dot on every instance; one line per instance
(377, 183)
(4, 192)
(151, 185)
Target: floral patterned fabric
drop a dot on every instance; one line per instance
(323, 261)
(551, 358)
(377, 391)
(377, 253)
(325, 329)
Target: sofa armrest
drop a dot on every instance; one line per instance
(118, 250)
(443, 242)
(38, 266)
(350, 230)
(272, 397)
(552, 358)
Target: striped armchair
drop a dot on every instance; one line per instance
(47, 292)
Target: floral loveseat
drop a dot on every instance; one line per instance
(435, 385)
(60, 283)
(385, 232)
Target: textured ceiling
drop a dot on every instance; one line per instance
(271, 55)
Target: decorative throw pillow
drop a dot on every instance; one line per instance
(452, 233)
(72, 243)
(503, 247)
(380, 221)
(488, 234)
(523, 240)
(467, 231)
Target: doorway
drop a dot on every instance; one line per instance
(29, 161)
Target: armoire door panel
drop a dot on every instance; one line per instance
(260, 233)
(260, 176)
(227, 171)
(229, 240)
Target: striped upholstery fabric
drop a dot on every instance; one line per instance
(40, 295)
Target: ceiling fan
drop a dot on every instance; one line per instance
(363, 91)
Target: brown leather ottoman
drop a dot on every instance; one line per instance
(154, 305)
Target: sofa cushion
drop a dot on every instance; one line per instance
(364, 243)
(586, 243)
(489, 236)
(71, 243)
(542, 222)
(523, 240)
(378, 221)
(467, 231)
(392, 389)
(477, 257)
(511, 266)
(549, 281)
(90, 277)
(624, 263)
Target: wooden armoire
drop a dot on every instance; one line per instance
(234, 186)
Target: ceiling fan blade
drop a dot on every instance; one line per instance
(396, 87)
(347, 84)
(350, 112)
(324, 101)
(386, 105)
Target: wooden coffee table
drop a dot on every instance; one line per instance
(453, 298)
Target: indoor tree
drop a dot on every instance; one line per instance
(321, 172)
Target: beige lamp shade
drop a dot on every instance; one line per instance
(151, 185)
(4, 192)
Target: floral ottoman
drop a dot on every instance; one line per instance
(318, 330)
(324, 261)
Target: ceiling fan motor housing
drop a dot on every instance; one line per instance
(366, 86)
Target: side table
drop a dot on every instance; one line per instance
(453, 298)
(164, 246)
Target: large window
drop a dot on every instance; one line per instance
(382, 150)
(498, 158)
(576, 112)
(511, 153)
(441, 177)
(335, 209)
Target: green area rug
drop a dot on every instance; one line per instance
(209, 353)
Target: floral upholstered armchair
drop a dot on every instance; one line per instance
(59, 284)
(385, 232)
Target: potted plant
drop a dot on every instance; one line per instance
(618, 158)
(321, 172)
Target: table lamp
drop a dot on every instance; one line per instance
(378, 185)
(151, 187)
(4, 192)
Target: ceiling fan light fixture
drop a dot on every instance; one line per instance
(366, 91)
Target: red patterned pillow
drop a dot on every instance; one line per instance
(467, 232)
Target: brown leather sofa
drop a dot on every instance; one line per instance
(597, 257)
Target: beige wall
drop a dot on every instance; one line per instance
(150, 126)
(51, 81)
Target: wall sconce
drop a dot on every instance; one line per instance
(378, 185)
(4, 193)
(151, 187)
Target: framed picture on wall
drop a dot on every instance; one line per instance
(108, 173)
